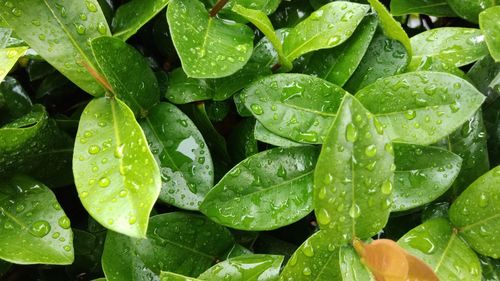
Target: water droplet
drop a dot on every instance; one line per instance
(308, 249)
(123, 193)
(281, 172)
(322, 193)
(410, 114)
(91, 6)
(354, 211)
(40, 228)
(101, 28)
(132, 220)
(323, 217)
(306, 271)
(351, 133)
(67, 248)
(16, 12)
(371, 150)
(94, 149)
(333, 40)
(84, 194)
(64, 222)
(19, 208)
(56, 235)
(386, 187)
(80, 29)
(483, 200)
(104, 182)
(257, 109)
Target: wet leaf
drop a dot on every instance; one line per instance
(8, 58)
(113, 167)
(437, 8)
(245, 268)
(241, 141)
(488, 21)
(353, 180)
(265, 191)
(34, 227)
(264, 135)
(170, 276)
(470, 9)
(183, 89)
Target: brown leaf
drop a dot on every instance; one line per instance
(419, 270)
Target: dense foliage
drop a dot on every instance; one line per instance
(249, 140)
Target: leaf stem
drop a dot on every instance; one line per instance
(217, 7)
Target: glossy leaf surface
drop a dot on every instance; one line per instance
(245, 268)
(185, 163)
(34, 227)
(476, 214)
(488, 21)
(264, 135)
(470, 9)
(60, 34)
(265, 191)
(182, 89)
(208, 47)
(116, 175)
(353, 178)
(8, 58)
(437, 8)
(421, 107)
(170, 276)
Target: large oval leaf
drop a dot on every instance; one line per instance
(116, 175)
(295, 106)
(136, 83)
(437, 8)
(488, 21)
(8, 58)
(264, 135)
(476, 214)
(421, 107)
(34, 227)
(183, 89)
(265, 191)
(60, 34)
(185, 163)
(245, 268)
(327, 27)
(470, 9)
(423, 173)
(178, 242)
(353, 177)
(208, 47)
(437, 244)
(452, 45)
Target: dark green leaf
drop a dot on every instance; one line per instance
(183, 89)
(437, 8)
(264, 135)
(470, 9)
(8, 58)
(34, 227)
(483, 75)
(354, 174)
(265, 191)
(185, 163)
(14, 101)
(116, 175)
(488, 20)
(491, 268)
(241, 141)
(88, 251)
(245, 268)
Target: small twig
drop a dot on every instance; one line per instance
(217, 7)
(276, 67)
(98, 77)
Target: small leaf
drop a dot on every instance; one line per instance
(185, 163)
(353, 178)
(183, 89)
(42, 23)
(131, 16)
(437, 8)
(327, 27)
(470, 9)
(423, 173)
(265, 191)
(488, 21)
(294, 106)
(264, 135)
(14, 100)
(8, 58)
(421, 107)
(116, 175)
(245, 268)
(181, 243)
(208, 47)
(476, 214)
(32, 232)
(135, 84)
(436, 243)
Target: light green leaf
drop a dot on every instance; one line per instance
(185, 163)
(423, 173)
(353, 177)
(490, 26)
(437, 8)
(470, 9)
(327, 27)
(265, 191)
(33, 232)
(182, 243)
(264, 135)
(131, 16)
(134, 84)
(452, 45)
(392, 28)
(208, 47)
(8, 58)
(436, 243)
(245, 268)
(294, 106)
(116, 175)
(170, 276)
(476, 214)
(421, 107)
(60, 34)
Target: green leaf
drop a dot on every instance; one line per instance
(185, 163)
(264, 135)
(131, 16)
(60, 34)
(437, 8)
(33, 232)
(353, 178)
(183, 89)
(8, 58)
(294, 106)
(437, 65)
(262, 22)
(116, 175)
(488, 21)
(351, 265)
(392, 28)
(423, 173)
(476, 214)
(14, 100)
(484, 75)
(384, 57)
(135, 84)
(421, 107)
(265, 191)
(436, 243)
(208, 47)
(325, 28)
(88, 251)
(491, 268)
(170, 276)
(266, 6)
(241, 141)
(336, 65)
(452, 45)
(245, 268)
(182, 243)
(470, 9)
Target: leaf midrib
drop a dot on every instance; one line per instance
(466, 227)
